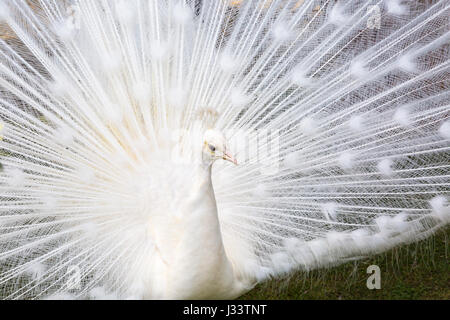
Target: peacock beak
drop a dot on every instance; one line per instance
(227, 156)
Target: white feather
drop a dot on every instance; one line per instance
(396, 7)
(385, 167)
(4, 11)
(281, 32)
(444, 130)
(182, 14)
(403, 117)
(356, 123)
(330, 210)
(309, 126)
(440, 207)
(346, 160)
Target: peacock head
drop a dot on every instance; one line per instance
(215, 147)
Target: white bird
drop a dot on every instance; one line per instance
(186, 149)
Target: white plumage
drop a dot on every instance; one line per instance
(112, 114)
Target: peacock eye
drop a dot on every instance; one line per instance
(212, 148)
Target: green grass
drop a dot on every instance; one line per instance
(416, 271)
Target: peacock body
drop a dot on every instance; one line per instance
(116, 118)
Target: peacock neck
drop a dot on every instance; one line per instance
(206, 216)
(199, 268)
